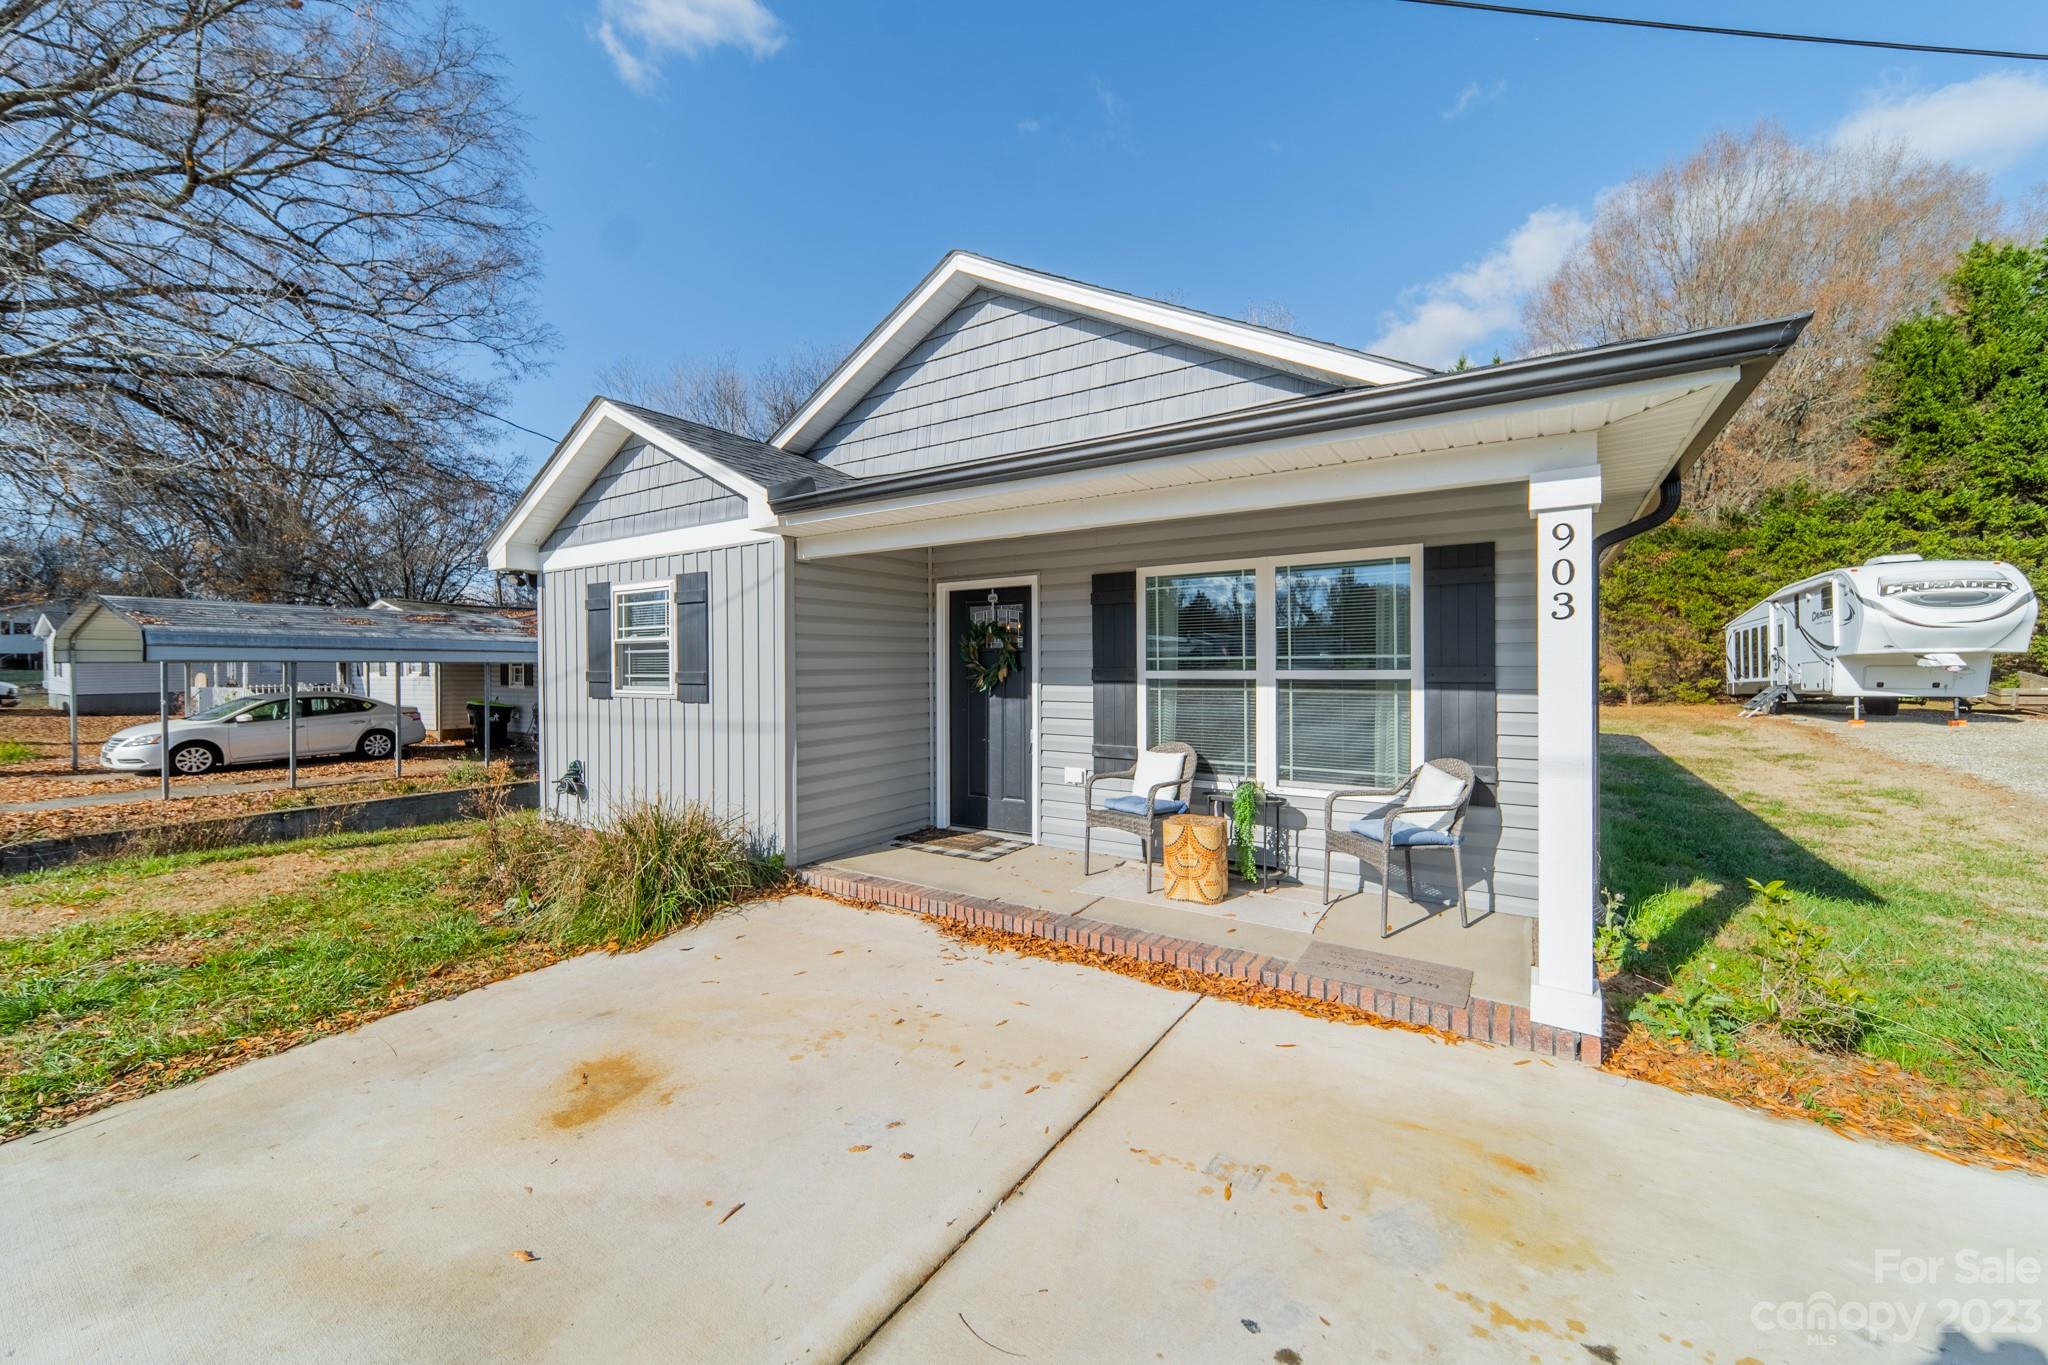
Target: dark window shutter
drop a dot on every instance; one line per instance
(693, 637)
(597, 639)
(1460, 716)
(1115, 670)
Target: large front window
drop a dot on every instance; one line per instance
(642, 641)
(1299, 673)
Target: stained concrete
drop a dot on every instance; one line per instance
(1267, 1187)
(362, 1198)
(671, 1134)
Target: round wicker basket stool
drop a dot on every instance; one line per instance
(1195, 852)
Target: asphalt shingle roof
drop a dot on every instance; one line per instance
(764, 464)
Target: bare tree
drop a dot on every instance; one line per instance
(209, 205)
(718, 393)
(1761, 226)
(1269, 314)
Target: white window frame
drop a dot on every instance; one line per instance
(667, 588)
(1266, 674)
(518, 675)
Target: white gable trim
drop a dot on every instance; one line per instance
(961, 273)
(604, 428)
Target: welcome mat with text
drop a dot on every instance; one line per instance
(1383, 972)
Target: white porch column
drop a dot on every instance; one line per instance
(1563, 991)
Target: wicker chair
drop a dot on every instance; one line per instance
(1394, 813)
(1144, 824)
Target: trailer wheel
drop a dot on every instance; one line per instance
(1880, 706)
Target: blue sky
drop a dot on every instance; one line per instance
(736, 177)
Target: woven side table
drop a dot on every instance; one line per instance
(1195, 853)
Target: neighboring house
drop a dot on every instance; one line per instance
(20, 647)
(1317, 566)
(443, 691)
(110, 655)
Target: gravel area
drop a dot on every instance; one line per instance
(2011, 751)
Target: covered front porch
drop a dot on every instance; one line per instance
(1471, 981)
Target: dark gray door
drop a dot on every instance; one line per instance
(990, 732)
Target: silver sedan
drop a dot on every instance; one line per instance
(254, 730)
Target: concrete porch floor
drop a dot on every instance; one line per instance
(1497, 949)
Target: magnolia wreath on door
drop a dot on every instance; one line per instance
(987, 672)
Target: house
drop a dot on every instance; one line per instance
(20, 648)
(1317, 566)
(442, 691)
(112, 654)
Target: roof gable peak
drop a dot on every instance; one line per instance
(961, 273)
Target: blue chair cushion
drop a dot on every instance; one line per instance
(1407, 834)
(1134, 804)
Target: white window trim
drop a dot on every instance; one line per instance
(1266, 673)
(667, 587)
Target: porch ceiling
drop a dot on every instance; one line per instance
(1638, 432)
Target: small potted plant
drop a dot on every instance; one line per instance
(1245, 800)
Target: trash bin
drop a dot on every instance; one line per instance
(501, 722)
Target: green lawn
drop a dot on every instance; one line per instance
(1936, 919)
(137, 987)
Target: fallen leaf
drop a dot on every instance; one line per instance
(731, 1211)
(1033, 1088)
(1283, 1045)
(524, 1255)
(906, 1156)
(1226, 1189)
(1319, 1200)
(860, 1147)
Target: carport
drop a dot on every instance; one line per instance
(165, 631)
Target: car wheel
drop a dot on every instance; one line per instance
(1880, 706)
(376, 744)
(194, 759)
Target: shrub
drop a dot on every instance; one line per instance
(1699, 1012)
(16, 751)
(655, 868)
(1803, 980)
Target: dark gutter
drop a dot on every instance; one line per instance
(1754, 346)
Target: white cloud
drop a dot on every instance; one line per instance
(1473, 94)
(639, 34)
(1027, 126)
(1986, 123)
(1445, 317)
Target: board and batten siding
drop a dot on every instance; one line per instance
(1502, 840)
(863, 684)
(727, 753)
(1003, 374)
(643, 489)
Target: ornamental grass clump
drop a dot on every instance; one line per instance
(655, 868)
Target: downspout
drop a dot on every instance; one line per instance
(1669, 495)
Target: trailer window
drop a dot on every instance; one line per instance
(1827, 600)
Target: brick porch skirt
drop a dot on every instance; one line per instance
(1486, 1021)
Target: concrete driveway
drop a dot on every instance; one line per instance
(790, 1134)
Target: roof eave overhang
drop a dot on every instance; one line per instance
(1748, 350)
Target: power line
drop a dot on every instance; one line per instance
(1669, 26)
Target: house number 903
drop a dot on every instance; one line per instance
(1562, 572)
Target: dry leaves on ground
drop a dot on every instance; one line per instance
(1855, 1096)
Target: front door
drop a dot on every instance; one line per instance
(989, 731)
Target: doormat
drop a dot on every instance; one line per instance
(1429, 981)
(975, 845)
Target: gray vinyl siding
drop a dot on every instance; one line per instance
(863, 668)
(728, 753)
(643, 489)
(1002, 375)
(1503, 840)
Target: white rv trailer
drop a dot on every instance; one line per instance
(1898, 626)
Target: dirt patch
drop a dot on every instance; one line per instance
(265, 792)
(38, 907)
